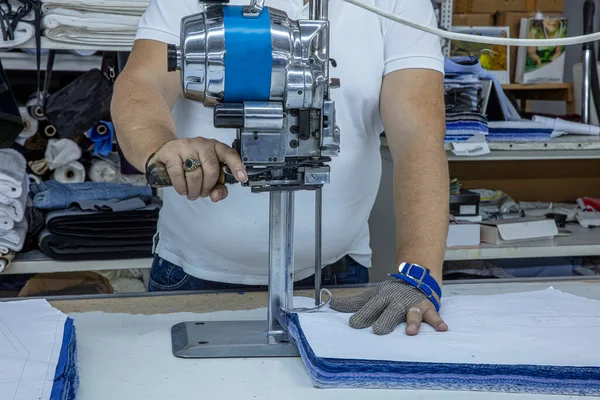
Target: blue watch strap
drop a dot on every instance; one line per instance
(420, 277)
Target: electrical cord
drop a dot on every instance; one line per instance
(478, 39)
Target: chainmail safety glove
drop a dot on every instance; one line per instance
(384, 307)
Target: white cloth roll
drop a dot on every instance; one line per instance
(103, 171)
(74, 172)
(22, 34)
(12, 171)
(6, 259)
(61, 152)
(15, 208)
(6, 222)
(15, 238)
(31, 126)
(33, 107)
(33, 178)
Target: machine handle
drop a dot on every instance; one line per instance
(157, 176)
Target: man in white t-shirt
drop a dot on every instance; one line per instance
(212, 237)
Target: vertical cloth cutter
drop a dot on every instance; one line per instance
(267, 76)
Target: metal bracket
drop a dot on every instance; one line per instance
(254, 9)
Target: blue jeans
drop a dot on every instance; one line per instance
(165, 276)
(54, 195)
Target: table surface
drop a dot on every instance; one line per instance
(120, 358)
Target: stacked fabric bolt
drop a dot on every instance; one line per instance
(518, 131)
(92, 21)
(14, 188)
(462, 126)
(496, 343)
(95, 220)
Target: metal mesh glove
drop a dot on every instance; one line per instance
(384, 306)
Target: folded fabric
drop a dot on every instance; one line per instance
(22, 34)
(60, 152)
(68, 248)
(470, 65)
(107, 6)
(42, 348)
(6, 221)
(496, 343)
(14, 238)
(12, 171)
(15, 208)
(89, 21)
(518, 131)
(54, 195)
(5, 260)
(78, 36)
(105, 224)
(462, 126)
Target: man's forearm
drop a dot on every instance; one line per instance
(414, 119)
(421, 197)
(142, 119)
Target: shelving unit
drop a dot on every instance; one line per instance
(50, 44)
(62, 62)
(581, 243)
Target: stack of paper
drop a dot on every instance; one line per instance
(543, 342)
(38, 352)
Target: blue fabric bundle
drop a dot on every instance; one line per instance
(462, 126)
(66, 377)
(518, 131)
(369, 374)
(103, 142)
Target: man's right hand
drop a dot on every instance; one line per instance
(203, 181)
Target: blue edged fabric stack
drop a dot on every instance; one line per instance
(66, 377)
(38, 352)
(480, 352)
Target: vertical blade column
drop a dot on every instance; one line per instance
(281, 263)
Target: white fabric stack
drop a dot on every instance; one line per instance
(111, 22)
(14, 189)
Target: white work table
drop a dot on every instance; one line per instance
(124, 349)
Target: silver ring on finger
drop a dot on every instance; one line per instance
(191, 164)
(416, 309)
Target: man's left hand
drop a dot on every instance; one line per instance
(387, 305)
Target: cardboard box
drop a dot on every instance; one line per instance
(473, 20)
(517, 230)
(491, 6)
(463, 235)
(545, 6)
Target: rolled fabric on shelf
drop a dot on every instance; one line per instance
(61, 152)
(38, 167)
(31, 126)
(102, 135)
(103, 171)
(33, 178)
(34, 109)
(6, 259)
(49, 131)
(74, 172)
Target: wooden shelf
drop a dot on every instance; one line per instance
(35, 262)
(537, 86)
(63, 62)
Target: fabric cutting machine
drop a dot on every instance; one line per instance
(267, 76)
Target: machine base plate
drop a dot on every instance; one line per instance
(227, 339)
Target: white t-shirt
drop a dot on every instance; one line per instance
(228, 241)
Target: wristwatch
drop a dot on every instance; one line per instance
(420, 277)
